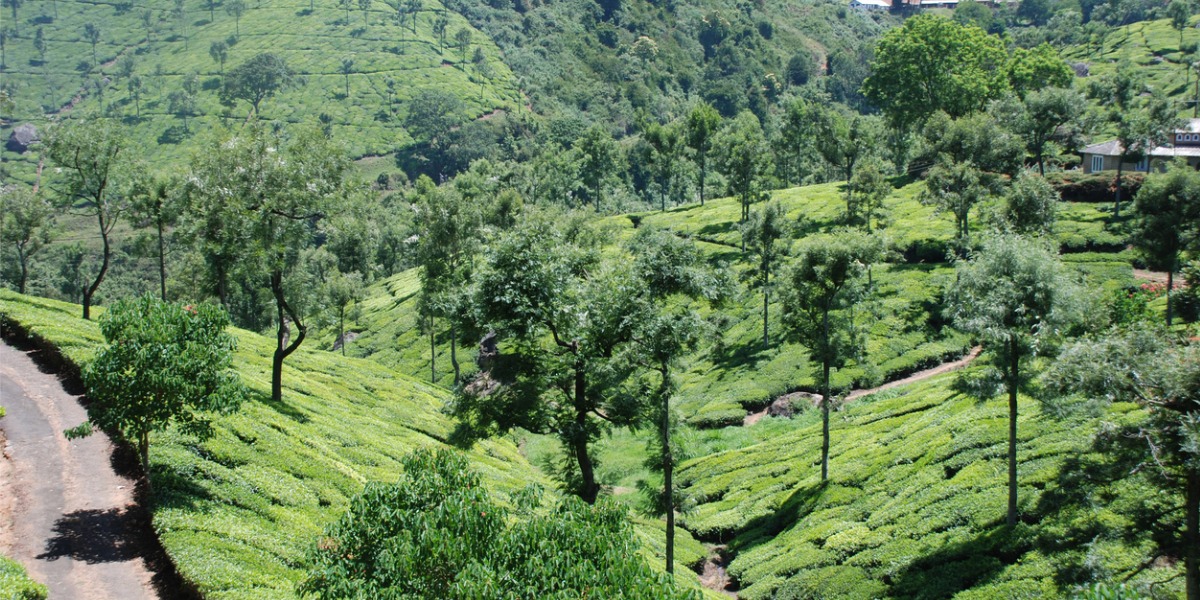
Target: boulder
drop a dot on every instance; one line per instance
(23, 136)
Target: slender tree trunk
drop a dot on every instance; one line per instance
(704, 172)
(454, 352)
(579, 439)
(1192, 535)
(432, 353)
(106, 253)
(162, 259)
(283, 346)
(1170, 284)
(24, 260)
(1013, 373)
(1117, 201)
(668, 469)
(342, 327)
(825, 403)
(766, 300)
(1041, 162)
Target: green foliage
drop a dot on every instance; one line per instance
(165, 364)
(1031, 204)
(24, 228)
(957, 69)
(438, 533)
(1168, 221)
(957, 188)
(744, 159)
(15, 583)
(257, 79)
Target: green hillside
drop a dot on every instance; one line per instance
(390, 65)
(1154, 48)
(238, 512)
(737, 374)
(916, 499)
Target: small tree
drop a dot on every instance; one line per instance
(1013, 295)
(365, 7)
(745, 160)
(462, 41)
(219, 51)
(827, 277)
(164, 364)
(257, 79)
(236, 8)
(1179, 11)
(153, 205)
(1168, 208)
(39, 44)
(413, 7)
(702, 124)
(89, 152)
(1161, 372)
(346, 68)
(869, 188)
(134, 85)
(956, 188)
(439, 29)
(599, 164)
(761, 235)
(24, 226)
(91, 33)
(1031, 204)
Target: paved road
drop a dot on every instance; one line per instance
(64, 511)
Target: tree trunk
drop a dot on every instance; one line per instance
(283, 346)
(704, 171)
(24, 260)
(668, 470)
(1012, 432)
(1192, 535)
(342, 327)
(1117, 201)
(432, 353)
(1170, 284)
(162, 259)
(579, 440)
(454, 352)
(825, 403)
(766, 300)
(144, 455)
(106, 252)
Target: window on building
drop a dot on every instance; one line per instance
(1097, 163)
(1142, 165)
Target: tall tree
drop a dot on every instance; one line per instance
(956, 188)
(1013, 295)
(134, 85)
(346, 68)
(702, 124)
(163, 364)
(1045, 117)
(1037, 68)
(90, 154)
(744, 160)
(827, 277)
(1179, 11)
(236, 8)
(1160, 371)
(39, 44)
(154, 205)
(868, 189)
(257, 79)
(219, 51)
(439, 29)
(24, 226)
(1031, 204)
(365, 7)
(599, 165)
(1168, 219)
(932, 63)
(667, 143)
(447, 229)
(91, 33)
(279, 189)
(842, 138)
(762, 235)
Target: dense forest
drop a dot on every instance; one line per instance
(624, 298)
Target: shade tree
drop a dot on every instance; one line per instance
(1168, 220)
(764, 235)
(702, 124)
(1014, 296)
(257, 79)
(25, 226)
(744, 160)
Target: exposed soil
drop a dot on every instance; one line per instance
(1154, 276)
(941, 369)
(68, 509)
(714, 576)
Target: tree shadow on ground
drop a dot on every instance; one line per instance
(95, 536)
(960, 566)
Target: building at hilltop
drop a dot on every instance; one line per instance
(1185, 143)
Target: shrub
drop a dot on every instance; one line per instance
(15, 583)
(437, 533)
(1094, 187)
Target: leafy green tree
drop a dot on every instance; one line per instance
(827, 277)
(257, 79)
(970, 12)
(702, 124)
(268, 194)
(90, 154)
(1168, 219)
(1031, 204)
(438, 533)
(1013, 295)
(14, 5)
(1047, 116)
(462, 41)
(1159, 371)
(432, 113)
(842, 139)
(39, 44)
(219, 51)
(135, 86)
(447, 230)
(91, 33)
(153, 204)
(932, 63)
(148, 23)
(1179, 11)
(413, 7)
(182, 103)
(236, 8)
(744, 160)
(163, 364)
(667, 143)
(801, 67)
(980, 138)
(7, 33)
(439, 29)
(343, 291)
(956, 188)
(24, 226)
(1143, 122)
(599, 161)
(869, 188)
(181, 17)
(762, 234)
(1037, 68)
(346, 68)
(561, 318)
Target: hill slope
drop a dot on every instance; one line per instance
(391, 64)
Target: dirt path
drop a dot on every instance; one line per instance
(65, 513)
(714, 576)
(941, 369)
(1154, 276)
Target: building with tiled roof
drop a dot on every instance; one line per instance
(1185, 143)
